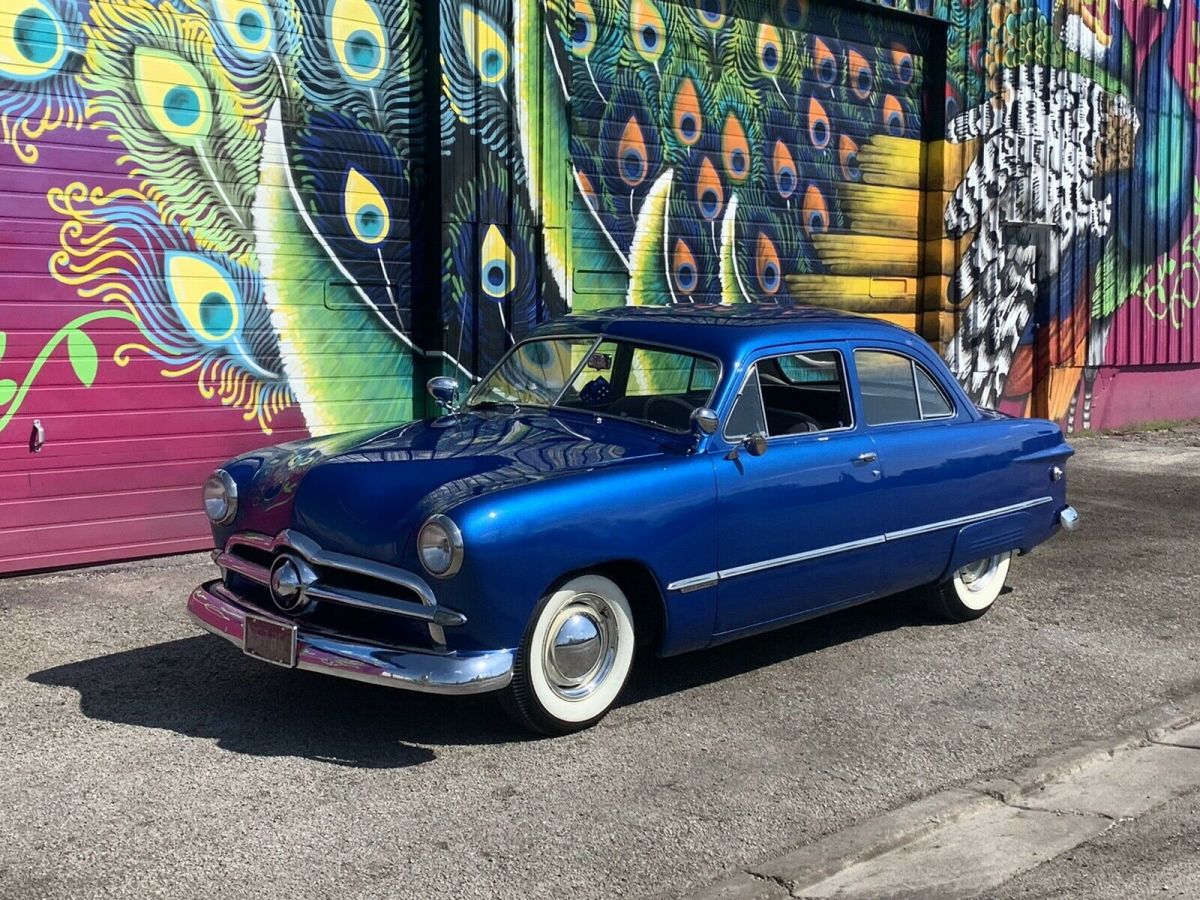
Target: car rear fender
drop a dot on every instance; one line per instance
(1013, 531)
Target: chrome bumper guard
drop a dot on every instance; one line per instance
(1069, 519)
(217, 610)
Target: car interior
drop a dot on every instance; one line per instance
(672, 411)
(604, 387)
(803, 393)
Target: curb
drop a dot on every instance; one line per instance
(790, 873)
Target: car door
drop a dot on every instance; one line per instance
(797, 524)
(929, 476)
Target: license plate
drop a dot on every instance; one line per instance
(270, 641)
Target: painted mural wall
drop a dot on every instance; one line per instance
(225, 223)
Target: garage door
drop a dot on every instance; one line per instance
(194, 261)
(745, 151)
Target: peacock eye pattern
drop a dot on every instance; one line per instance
(33, 40)
(743, 121)
(358, 39)
(712, 146)
(495, 294)
(40, 44)
(247, 25)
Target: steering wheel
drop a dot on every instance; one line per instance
(678, 401)
(808, 422)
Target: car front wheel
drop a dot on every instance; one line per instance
(574, 659)
(972, 590)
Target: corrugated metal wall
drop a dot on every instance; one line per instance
(1075, 203)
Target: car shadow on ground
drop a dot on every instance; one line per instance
(658, 677)
(201, 687)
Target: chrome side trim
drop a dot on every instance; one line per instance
(695, 583)
(800, 557)
(966, 520)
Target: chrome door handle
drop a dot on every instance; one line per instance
(869, 456)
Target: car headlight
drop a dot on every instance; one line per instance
(220, 497)
(440, 546)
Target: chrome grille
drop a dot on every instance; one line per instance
(341, 579)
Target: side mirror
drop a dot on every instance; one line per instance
(704, 420)
(444, 390)
(756, 444)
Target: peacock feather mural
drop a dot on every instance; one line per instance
(297, 210)
(255, 223)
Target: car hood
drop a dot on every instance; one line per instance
(366, 492)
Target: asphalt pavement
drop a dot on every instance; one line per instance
(141, 758)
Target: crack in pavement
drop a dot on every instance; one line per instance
(932, 846)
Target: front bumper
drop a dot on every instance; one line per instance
(217, 610)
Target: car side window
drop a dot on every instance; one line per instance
(896, 388)
(805, 392)
(747, 414)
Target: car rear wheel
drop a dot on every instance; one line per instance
(971, 591)
(575, 657)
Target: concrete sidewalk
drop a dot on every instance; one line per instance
(965, 841)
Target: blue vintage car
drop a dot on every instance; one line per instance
(659, 479)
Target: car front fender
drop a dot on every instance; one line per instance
(660, 515)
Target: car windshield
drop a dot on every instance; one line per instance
(655, 386)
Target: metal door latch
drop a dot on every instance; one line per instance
(37, 437)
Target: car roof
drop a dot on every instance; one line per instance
(725, 331)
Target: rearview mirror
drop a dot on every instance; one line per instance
(444, 390)
(704, 420)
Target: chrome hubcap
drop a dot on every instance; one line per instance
(576, 648)
(975, 576)
(580, 647)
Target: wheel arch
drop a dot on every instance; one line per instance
(982, 539)
(641, 589)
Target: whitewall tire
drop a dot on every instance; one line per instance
(971, 591)
(575, 657)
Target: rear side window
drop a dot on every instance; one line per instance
(895, 388)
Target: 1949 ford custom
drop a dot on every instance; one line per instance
(662, 479)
